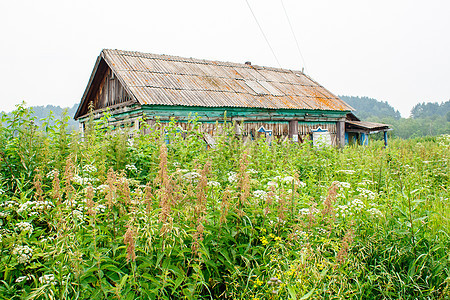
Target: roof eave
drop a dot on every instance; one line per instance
(86, 91)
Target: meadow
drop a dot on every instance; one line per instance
(160, 216)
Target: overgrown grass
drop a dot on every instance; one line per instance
(103, 216)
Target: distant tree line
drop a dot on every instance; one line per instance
(368, 107)
(427, 119)
(40, 113)
(431, 110)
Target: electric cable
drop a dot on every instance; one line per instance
(293, 34)
(264, 35)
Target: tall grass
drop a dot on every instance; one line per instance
(160, 216)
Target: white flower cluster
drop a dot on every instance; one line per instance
(375, 212)
(100, 208)
(300, 234)
(307, 211)
(51, 174)
(24, 254)
(322, 230)
(1, 237)
(350, 208)
(272, 183)
(32, 207)
(2, 191)
(343, 211)
(232, 177)
(260, 194)
(78, 214)
(444, 140)
(47, 279)
(357, 204)
(365, 182)
(131, 168)
(103, 188)
(366, 193)
(9, 204)
(25, 227)
(22, 278)
(191, 176)
(213, 183)
(83, 180)
(347, 172)
(342, 184)
(89, 169)
(252, 171)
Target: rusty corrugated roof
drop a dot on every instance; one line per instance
(171, 80)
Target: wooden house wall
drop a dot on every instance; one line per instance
(279, 130)
(110, 92)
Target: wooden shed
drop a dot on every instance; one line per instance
(281, 102)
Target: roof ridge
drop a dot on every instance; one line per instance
(170, 57)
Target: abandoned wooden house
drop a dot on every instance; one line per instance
(260, 100)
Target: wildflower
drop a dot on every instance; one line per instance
(343, 211)
(366, 193)
(232, 177)
(343, 184)
(78, 214)
(213, 183)
(47, 279)
(301, 184)
(9, 204)
(128, 240)
(375, 212)
(89, 169)
(25, 227)
(274, 281)
(346, 242)
(191, 176)
(357, 204)
(21, 278)
(101, 208)
(260, 194)
(264, 240)
(32, 207)
(51, 175)
(131, 167)
(272, 183)
(252, 171)
(347, 172)
(103, 188)
(24, 254)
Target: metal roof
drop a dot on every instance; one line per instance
(170, 80)
(367, 125)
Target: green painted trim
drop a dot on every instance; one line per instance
(213, 114)
(236, 112)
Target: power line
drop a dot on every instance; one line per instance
(262, 31)
(293, 34)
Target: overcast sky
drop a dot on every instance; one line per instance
(396, 51)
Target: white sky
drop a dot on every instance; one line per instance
(392, 50)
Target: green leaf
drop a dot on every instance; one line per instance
(309, 294)
(292, 292)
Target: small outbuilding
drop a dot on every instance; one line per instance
(281, 103)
